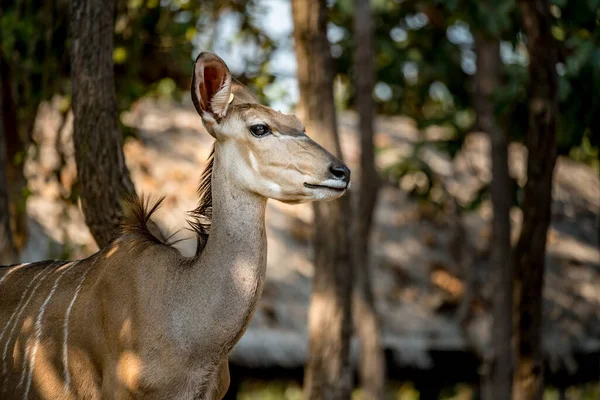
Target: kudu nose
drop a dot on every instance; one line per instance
(340, 172)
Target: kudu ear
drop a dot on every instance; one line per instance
(211, 88)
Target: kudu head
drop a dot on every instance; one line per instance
(267, 153)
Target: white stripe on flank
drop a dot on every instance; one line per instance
(38, 330)
(11, 270)
(66, 331)
(19, 311)
(19, 304)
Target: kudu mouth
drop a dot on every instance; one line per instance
(336, 188)
(338, 179)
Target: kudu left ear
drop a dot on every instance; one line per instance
(211, 88)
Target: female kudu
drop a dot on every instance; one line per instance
(139, 320)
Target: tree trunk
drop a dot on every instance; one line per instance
(366, 322)
(101, 170)
(15, 135)
(498, 383)
(8, 252)
(328, 370)
(529, 254)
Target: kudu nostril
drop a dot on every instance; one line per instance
(340, 172)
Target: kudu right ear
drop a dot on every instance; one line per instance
(211, 88)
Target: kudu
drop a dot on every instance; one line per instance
(139, 320)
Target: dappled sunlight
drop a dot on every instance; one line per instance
(322, 314)
(570, 248)
(126, 333)
(66, 266)
(17, 352)
(572, 309)
(112, 251)
(47, 381)
(447, 282)
(23, 342)
(84, 378)
(590, 291)
(27, 325)
(129, 367)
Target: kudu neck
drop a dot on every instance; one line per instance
(238, 216)
(214, 301)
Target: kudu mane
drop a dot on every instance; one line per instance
(138, 211)
(202, 215)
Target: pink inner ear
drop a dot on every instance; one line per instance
(213, 80)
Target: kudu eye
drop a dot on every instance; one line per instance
(259, 130)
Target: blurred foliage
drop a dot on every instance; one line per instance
(153, 47)
(33, 45)
(425, 59)
(419, 71)
(425, 63)
(155, 41)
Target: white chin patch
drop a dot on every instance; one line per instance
(326, 194)
(273, 187)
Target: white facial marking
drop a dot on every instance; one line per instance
(38, 330)
(253, 161)
(20, 308)
(11, 270)
(290, 137)
(275, 188)
(66, 331)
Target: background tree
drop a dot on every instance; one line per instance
(34, 67)
(366, 322)
(8, 253)
(530, 251)
(498, 383)
(328, 371)
(491, 20)
(12, 180)
(101, 168)
(13, 148)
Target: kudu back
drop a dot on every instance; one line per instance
(139, 320)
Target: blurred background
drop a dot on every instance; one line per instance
(471, 265)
